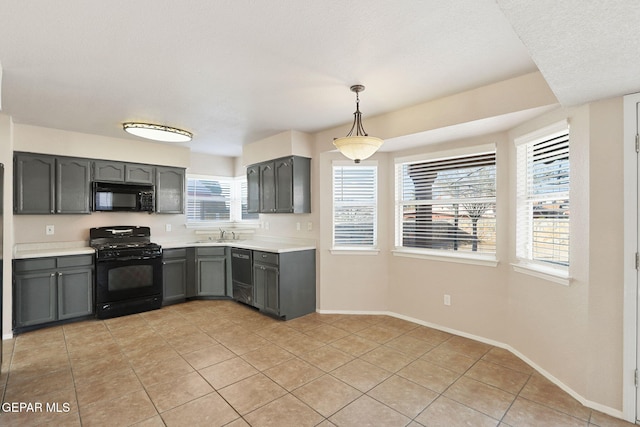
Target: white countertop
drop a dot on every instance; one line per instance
(40, 250)
(254, 244)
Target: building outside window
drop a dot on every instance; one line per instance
(447, 204)
(217, 200)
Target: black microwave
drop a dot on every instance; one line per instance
(112, 197)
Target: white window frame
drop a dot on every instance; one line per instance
(235, 202)
(484, 259)
(355, 249)
(524, 233)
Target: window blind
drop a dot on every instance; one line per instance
(447, 204)
(543, 213)
(354, 206)
(208, 200)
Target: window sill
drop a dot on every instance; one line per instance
(551, 274)
(354, 251)
(487, 261)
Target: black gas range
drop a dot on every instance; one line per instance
(128, 270)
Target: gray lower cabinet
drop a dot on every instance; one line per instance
(174, 275)
(211, 272)
(51, 289)
(170, 185)
(284, 284)
(46, 184)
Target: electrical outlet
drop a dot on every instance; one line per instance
(297, 226)
(447, 299)
(266, 225)
(167, 227)
(50, 230)
(309, 226)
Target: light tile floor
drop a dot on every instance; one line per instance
(213, 363)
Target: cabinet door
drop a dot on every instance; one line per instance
(212, 276)
(139, 174)
(259, 281)
(253, 189)
(34, 184)
(75, 293)
(174, 279)
(284, 185)
(169, 190)
(108, 171)
(72, 185)
(267, 188)
(272, 290)
(35, 298)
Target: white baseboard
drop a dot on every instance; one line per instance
(589, 404)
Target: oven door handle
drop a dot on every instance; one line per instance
(130, 258)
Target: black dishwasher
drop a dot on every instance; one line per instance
(241, 274)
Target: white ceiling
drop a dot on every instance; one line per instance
(235, 71)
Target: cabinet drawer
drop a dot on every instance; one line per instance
(265, 257)
(35, 264)
(174, 253)
(210, 251)
(75, 261)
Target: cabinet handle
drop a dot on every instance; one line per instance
(59, 274)
(53, 274)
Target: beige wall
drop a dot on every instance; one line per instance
(6, 158)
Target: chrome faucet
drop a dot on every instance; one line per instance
(233, 235)
(222, 233)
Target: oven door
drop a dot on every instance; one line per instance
(128, 278)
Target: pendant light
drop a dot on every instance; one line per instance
(358, 146)
(157, 132)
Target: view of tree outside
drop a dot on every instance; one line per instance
(450, 204)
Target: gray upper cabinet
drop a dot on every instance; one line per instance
(72, 185)
(169, 190)
(280, 186)
(253, 189)
(134, 173)
(139, 174)
(104, 170)
(267, 188)
(34, 184)
(47, 184)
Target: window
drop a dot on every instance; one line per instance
(543, 213)
(355, 206)
(213, 199)
(447, 205)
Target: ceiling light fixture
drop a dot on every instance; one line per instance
(157, 132)
(359, 146)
